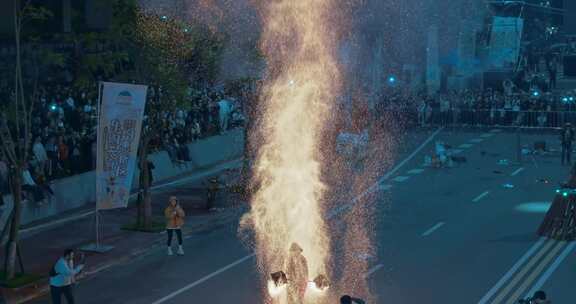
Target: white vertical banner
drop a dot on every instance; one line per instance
(119, 125)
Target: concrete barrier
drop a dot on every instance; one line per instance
(80, 190)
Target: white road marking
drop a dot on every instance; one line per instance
(401, 178)
(465, 146)
(384, 187)
(332, 214)
(373, 270)
(481, 196)
(496, 130)
(487, 135)
(476, 140)
(551, 269)
(434, 228)
(386, 176)
(415, 171)
(457, 151)
(517, 171)
(510, 272)
(204, 279)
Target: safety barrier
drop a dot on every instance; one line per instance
(484, 118)
(80, 190)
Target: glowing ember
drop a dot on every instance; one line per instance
(288, 209)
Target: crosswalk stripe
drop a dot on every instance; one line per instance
(511, 271)
(537, 271)
(523, 272)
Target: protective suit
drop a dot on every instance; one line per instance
(297, 273)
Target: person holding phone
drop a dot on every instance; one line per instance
(63, 276)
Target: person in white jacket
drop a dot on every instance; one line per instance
(63, 276)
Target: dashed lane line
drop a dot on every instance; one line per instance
(517, 171)
(457, 151)
(487, 135)
(401, 178)
(415, 171)
(432, 229)
(465, 146)
(385, 187)
(476, 140)
(373, 270)
(481, 196)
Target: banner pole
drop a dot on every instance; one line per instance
(98, 104)
(97, 246)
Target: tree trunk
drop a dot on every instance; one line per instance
(15, 225)
(145, 203)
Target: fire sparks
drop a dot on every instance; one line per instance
(303, 78)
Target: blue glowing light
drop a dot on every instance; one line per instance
(53, 107)
(571, 98)
(557, 190)
(391, 79)
(565, 194)
(536, 93)
(164, 17)
(565, 99)
(186, 30)
(534, 207)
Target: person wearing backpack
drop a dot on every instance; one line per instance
(63, 276)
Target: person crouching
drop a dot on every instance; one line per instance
(174, 222)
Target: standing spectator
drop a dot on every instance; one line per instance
(52, 152)
(553, 72)
(174, 221)
(4, 185)
(40, 154)
(566, 138)
(63, 276)
(63, 154)
(29, 185)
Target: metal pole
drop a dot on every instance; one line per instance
(518, 146)
(97, 229)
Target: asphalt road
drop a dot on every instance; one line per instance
(454, 235)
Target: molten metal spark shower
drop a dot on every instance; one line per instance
(298, 41)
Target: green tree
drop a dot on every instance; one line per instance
(167, 54)
(15, 120)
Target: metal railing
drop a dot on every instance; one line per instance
(483, 118)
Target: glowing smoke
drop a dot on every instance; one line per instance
(303, 78)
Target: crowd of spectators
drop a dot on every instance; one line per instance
(64, 127)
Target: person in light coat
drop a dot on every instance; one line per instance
(63, 276)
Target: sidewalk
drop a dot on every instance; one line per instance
(42, 246)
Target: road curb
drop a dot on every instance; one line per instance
(42, 288)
